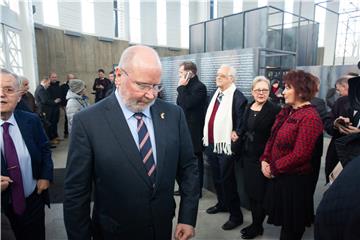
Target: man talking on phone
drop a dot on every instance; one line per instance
(191, 98)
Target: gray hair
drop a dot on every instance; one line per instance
(22, 79)
(258, 79)
(343, 80)
(7, 72)
(232, 70)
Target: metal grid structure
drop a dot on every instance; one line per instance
(10, 49)
(275, 30)
(347, 30)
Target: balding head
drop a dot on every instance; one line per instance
(139, 56)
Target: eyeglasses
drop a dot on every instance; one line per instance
(145, 87)
(261, 90)
(9, 90)
(221, 75)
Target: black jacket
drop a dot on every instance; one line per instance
(338, 214)
(192, 99)
(253, 142)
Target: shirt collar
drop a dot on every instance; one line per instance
(127, 112)
(11, 120)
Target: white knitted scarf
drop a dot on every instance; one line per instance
(223, 124)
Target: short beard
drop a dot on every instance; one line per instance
(134, 107)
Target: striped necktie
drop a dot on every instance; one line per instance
(145, 147)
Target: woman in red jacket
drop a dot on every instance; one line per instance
(287, 157)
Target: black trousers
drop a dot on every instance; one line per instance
(223, 173)
(31, 225)
(54, 120)
(257, 213)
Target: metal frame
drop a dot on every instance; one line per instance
(299, 20)
(337, 25)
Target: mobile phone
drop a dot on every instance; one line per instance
(342, 122)
(188, 76)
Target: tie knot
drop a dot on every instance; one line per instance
(6, 126)
(138, 115)
(219, 97)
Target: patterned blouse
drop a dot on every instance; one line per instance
(292, 141)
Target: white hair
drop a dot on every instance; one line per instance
(232, 70)
(258, 79)
(7, 72)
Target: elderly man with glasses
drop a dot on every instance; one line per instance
(26, 164)
(221, 131)
(131, 147)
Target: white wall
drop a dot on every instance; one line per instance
(104, 19)
(148, 22)
(173, 23)
(70, 15)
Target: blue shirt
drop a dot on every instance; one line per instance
(23, 154)
(132, 123)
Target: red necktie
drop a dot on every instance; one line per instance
(13, 167)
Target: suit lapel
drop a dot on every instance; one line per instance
(25, 128)
(118, 124)
(159, 118)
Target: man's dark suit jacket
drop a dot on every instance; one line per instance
(44, 101)
(192, 99)
(102, 152)
(38, 147)
(338, 214)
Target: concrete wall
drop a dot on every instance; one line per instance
(82, 56)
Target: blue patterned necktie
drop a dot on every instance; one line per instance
(145, 147)
(13, 167)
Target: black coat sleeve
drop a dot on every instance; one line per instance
(190, 96)
(239, 105)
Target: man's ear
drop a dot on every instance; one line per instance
(117, 72)
(117, 76)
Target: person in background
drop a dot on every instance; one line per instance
(340, 108)
(275, 92)
(75, 101)
(258, 119)
(131, 174)
(286, 160)
(221, 130)
(55, 93)
(325, 117)
(112, 87)
(64, 89)
(27, 101)
(101, 84)
(45, 104)
(191, 98)
(26, 164)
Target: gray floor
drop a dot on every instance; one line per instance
(208, 226)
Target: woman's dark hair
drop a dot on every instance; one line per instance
(304, 83)
(189, 66)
